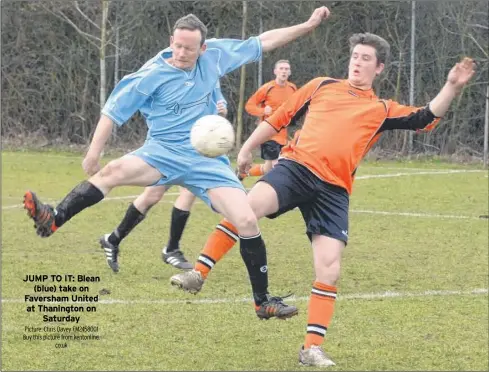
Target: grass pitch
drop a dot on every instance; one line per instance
(412, 296)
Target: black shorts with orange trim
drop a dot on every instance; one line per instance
(324, 206)
(270, 150)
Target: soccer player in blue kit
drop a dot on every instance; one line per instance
(172, 90)
(138, 209)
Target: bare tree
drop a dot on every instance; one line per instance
(99, 41)
(102, 53)
(260, 62)
(408, 136)
(239, 125)
(486, 128)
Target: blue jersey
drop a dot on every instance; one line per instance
(171, 99)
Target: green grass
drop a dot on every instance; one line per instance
(401, 253)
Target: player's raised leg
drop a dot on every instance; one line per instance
(243, 223)
(233, 204)
(263, 201)
(136, 212)
(128, 170)
(171, 253)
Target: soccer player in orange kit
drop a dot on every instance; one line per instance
(344, 119)
(266, 100)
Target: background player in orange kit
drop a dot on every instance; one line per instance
(266, 100)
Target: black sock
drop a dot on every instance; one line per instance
(254, 255)
(178, 221)
(132, 218)
(82, 196)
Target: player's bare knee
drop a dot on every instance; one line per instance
(112, 171)
(152, 195)
(246, 224)
(109, 176)
(263, 200)
(260, 209)
(185, 200)
(328, 273)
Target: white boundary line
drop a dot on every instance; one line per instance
(413, 214)
(453, 171)
(370, 167)
(388, 175)
(15, 206)
(41, 154)
(361, 211)
(351, 296)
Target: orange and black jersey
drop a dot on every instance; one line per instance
(273, 95)
(342, 123)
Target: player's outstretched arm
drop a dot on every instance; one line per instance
(458, 76)
(102, 133)
(276, 38)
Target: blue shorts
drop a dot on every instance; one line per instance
(188, 168)
(324, 206)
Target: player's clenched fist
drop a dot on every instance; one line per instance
(318, 16)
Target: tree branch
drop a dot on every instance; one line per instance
(85, 16)
(83, 33)
(65, 18)
(478, 25)
(476, 43)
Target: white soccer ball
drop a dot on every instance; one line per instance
(212, 135)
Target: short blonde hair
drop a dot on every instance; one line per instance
(281, 61)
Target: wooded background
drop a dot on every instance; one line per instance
(61, 59)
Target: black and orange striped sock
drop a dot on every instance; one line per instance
(321, 308)
(222, 239)
(256, 170)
